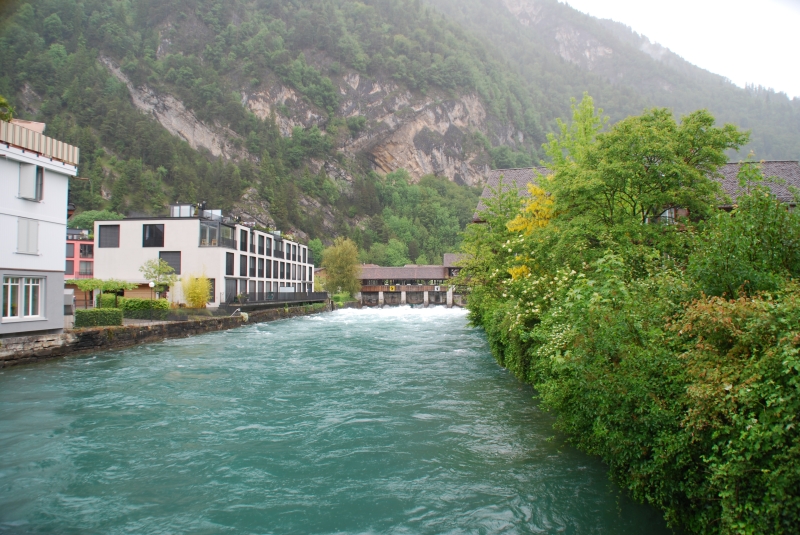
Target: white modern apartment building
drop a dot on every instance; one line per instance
(34, 187)
(236, 258)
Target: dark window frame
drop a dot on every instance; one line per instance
(230, 261)
(106, 238)
(153, 235)
(166, 256)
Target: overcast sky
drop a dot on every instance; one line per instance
(747, 41)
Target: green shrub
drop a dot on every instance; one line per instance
(157, 309)
(110, 301)
(97, 317)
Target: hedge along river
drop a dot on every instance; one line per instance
(358, 421)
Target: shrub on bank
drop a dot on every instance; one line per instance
(97, 317)
(110, 301)
(670, 349)
(156, 309)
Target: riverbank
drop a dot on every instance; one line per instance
(31, 349)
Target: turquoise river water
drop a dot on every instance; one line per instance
(357, 421)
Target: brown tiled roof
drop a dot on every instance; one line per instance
(451, 259)
(403, 273)
(507, 178)
(786, 171)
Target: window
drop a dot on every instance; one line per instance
(152, 235)
(261, 245)
(109, 236)
(209, 234)
(31, 182)
(27, 236)
(22, 297)
(269, 247)
(275, 269)
(70, 250)
(268, 274)
(243, 240)
(304, 255)
(87, 250)
(87, 268)
(70, 270)
(229, 260)
(173, 258)
(253, 243)
(283, 270)
(294, 272)
(252, 266)
(243, 265)
(260, 268)
(213, 290)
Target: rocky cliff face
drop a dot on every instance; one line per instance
(424, 134)
(179, 121)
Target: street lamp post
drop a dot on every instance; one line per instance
(152, 285)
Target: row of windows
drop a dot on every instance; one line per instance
(266, 269)
(22, 297)
(153, 236)
(291, 252)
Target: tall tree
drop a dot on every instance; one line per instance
(342, 268)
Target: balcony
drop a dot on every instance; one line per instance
(227, 243)
(277, 254)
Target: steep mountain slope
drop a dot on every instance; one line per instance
(563, 51)
(291, 113)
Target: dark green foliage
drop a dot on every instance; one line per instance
(85, 220)
(427, 217)
(110, 300)
(691, 400)
(97, 317)
(754, 248)
(151, 309)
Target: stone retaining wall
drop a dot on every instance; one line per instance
(28, 349)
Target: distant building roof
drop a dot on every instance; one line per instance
(785, 171)
(409, 272)
(452, 259)
(508, 179)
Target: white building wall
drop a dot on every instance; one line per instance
(50, 213)
(183, 234)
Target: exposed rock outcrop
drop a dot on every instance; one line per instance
(174, 116)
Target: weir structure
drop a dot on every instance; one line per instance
(411, 285)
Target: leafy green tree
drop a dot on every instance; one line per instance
(342, 270)
(755, 247)
(85, 220)
(6, 111)
(316, 248)
(158, 271)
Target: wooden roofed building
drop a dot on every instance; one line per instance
(407, 285)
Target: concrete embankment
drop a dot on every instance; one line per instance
(29, 349)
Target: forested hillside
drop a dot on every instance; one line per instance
(560, 52)
(376, 119)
